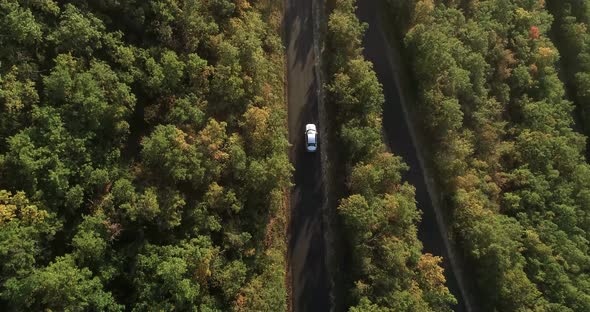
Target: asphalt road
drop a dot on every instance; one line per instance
(399, 140)
(307, 247)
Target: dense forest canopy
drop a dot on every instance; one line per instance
(505, 149)
(144, 155)
(143, 160)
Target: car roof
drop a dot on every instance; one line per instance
(311, 138)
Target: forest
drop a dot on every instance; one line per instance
(143, 156)
(389, 270)
(502, 86)
(145, 163)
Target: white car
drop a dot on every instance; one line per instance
(311, 138)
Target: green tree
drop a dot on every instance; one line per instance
(60, 286)
(77, 32)
(175, 277)
(167, 152)
(25, 232)
(346, 33)
(17, 98)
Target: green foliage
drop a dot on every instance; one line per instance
(90, 243)
(356, 95)
(504, 150)
(357, 92)
(265, 292)
(346, 33)
(19, 27)
(60, 286)
(145, 145)
(25, 231)
(17, 97)
(167, 152)
(170, 277)
(380, 213)
(77, 32)
(82, 99)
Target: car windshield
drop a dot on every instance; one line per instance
(311, 144)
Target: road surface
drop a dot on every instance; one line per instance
(307, 248)
(399, 139)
